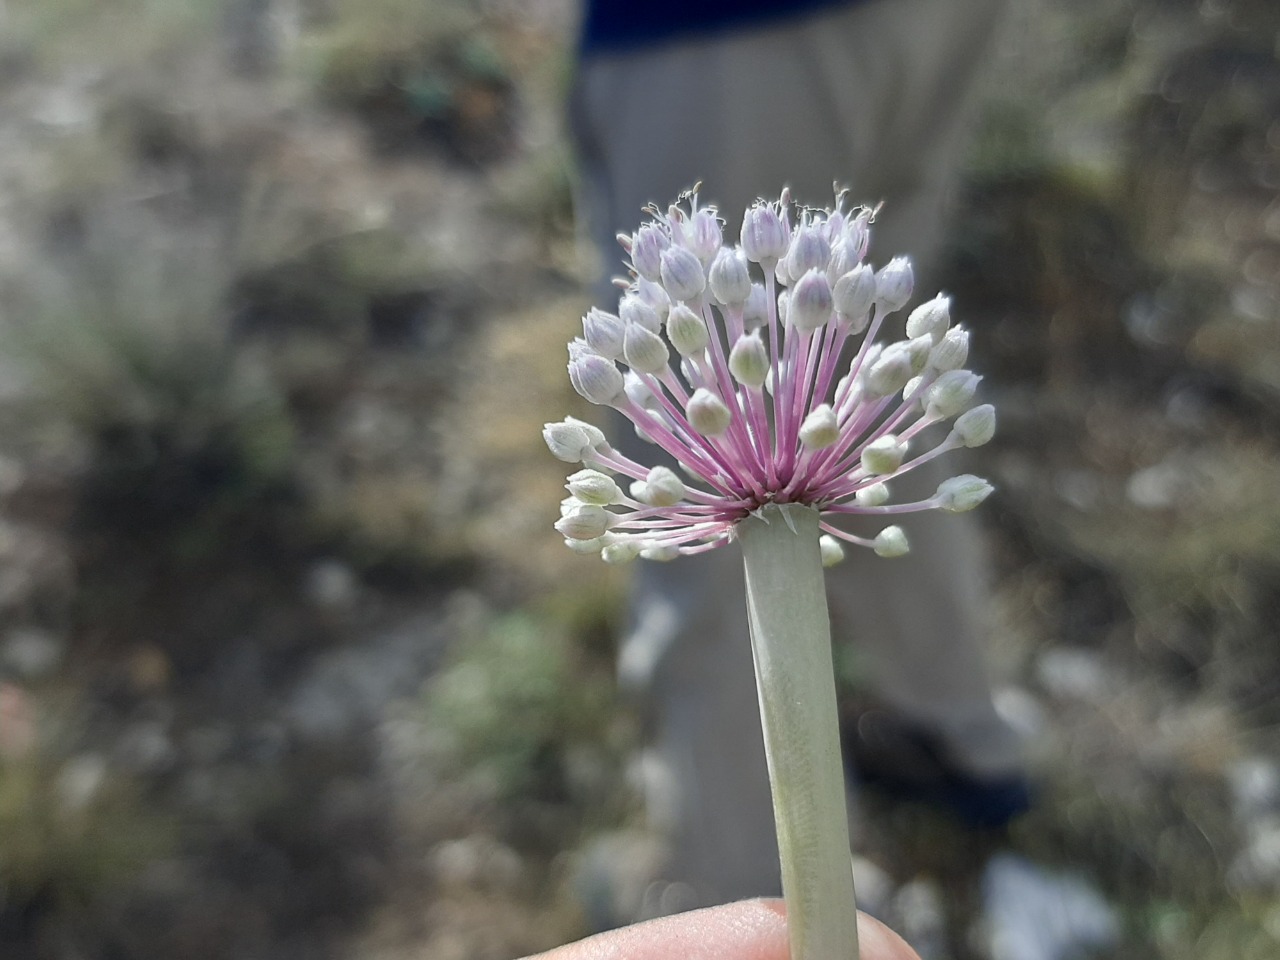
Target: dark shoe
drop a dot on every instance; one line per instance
(907, 762)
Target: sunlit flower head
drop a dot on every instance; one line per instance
(756, 368)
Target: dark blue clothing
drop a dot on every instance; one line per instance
(611, 26)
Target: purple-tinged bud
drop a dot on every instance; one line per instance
(820, 428)
(830, 550)
(603, 333)
(809, 304)
(951, 352)
(596, 378)
(932, 317)
(646, 251)
(857, 234)
(730, 278)
(975, 427)
(687, 331)
(749, 360)
(842, 259)
(962, 493)
(682, 274)
(644, 350)
(894, 283)
(853, 295)
(705, 235)
(951, 393)
(755, 312)
(707, 413)
(891, 542)
(809, 250)
(764, 235)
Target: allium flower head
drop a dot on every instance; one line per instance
(757, 369)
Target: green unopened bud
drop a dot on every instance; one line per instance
(707, 413)
(686, 330)
(749, 360)
(951, 393)
(592, 486)
(951, 352)
(883, 455)
(875, 495)
(930, 319)
(918, 350)
(587, 547)
(853, 295)
(644, 350)
(891, 542)
(820, 428)
(620, 551)
(831, 550)
(975, 427)
(962, 493)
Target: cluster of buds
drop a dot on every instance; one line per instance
(756, 368)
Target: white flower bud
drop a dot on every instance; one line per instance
(883, 455)
(644, 350)
(595, 378)
(975, 427)
(730, 278)
(857, 233)
(784, 298)
(682, 273)
(633, 309)
(687, 331)
(620, 551)
(875, 495)
(931, 318)
(592, 486)
(918, 350)
(820, 429)
(755, 312)
(891, 542)
(890, 372)
(764, 236)
(571, 440)
(853, 295)
(586, 521)
(638, 392)
(951, 352)
(603, 332)
(653, 295)
(951, 393)
(962, 493)
(894, 283)
(707, 413)
(809, 303)
(809, 250)
(705, 235)
(831, 550)
(749, 360)
(662, 488)
(586, 547)
(843, 259)
(661, 552)
(646, 251)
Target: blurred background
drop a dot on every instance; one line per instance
(292, 664)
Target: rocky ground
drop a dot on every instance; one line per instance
(290, 664)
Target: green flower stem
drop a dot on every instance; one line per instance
(791, 645)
